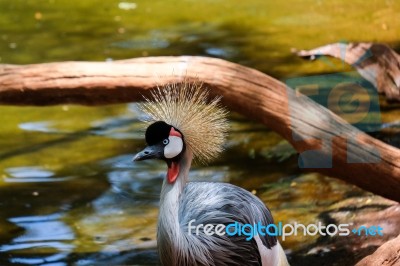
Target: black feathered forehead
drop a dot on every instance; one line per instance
(157, 132)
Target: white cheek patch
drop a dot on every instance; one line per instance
(174, 147)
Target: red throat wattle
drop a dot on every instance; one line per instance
(173, 171)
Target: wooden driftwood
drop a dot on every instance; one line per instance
(375, 62)
(354, 156)
(388, 254)
(363, 211)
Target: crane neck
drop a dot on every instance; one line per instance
(170, 192)
(169, 235)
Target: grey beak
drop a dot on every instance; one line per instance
(150, 152)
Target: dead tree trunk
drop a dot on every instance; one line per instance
(388, 254)
(375, 62)
(354, 156)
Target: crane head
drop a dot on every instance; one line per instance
(164, 142)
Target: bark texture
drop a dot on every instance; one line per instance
(388, 254)
(377, 63)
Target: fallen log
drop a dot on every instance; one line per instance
(375, 62)
(364, 211)
(388, 254)
(326, 143)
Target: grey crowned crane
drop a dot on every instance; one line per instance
(183, 125)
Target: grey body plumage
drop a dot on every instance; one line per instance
(218, 203)
(210, 203)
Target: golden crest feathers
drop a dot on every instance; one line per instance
(186, 107)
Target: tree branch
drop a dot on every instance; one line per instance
(304, 123)
(387, 254)
(375, 62)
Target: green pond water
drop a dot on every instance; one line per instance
(69, 193)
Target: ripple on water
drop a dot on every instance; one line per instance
(46, 235)
(119, 127)
(41, 126)
(29, 174)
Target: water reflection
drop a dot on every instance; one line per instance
(41, 126)
(45, 235)
(123, 127)
(31, 174)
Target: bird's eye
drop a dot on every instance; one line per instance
(165, 141)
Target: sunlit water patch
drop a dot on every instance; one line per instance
(46, 235)
(31, 174)
(123, 127)
(43, 126)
